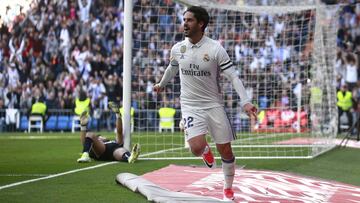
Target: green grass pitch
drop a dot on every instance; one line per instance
(31, 156)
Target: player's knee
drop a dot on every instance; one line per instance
(225, 151)
(197, 145)
(197, 150)
(227, 155)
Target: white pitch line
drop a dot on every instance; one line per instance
(59, 174)
(55, 175)
(23, 175)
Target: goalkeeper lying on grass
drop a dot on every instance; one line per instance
(99, 148)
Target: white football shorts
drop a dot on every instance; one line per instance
(203, 121)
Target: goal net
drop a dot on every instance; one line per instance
(283, 52)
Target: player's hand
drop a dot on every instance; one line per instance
(157, 88)
(251, 110)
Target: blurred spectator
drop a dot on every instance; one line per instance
(13, 98)
(16, 48)
(114, 88)
(2, 115)
(84, 10)
(64, 41)
(51, 46)
(61, 47)
(82, 103)
(39, 108)
(83, 60)
(67, 101)
(356, 92)
(356, 115)
(351, 76)
(97, 92)
(13, 76)
(345, 104)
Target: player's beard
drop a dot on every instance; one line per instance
(186, 32)
(190, 32)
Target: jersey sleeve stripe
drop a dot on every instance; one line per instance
(229, 66)
(174, 63)
(224, 64)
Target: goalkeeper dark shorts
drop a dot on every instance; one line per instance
(110, 147)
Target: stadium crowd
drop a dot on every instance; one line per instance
(59, 48)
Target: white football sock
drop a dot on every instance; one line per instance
(229, 172)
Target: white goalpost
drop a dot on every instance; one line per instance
(284, 52)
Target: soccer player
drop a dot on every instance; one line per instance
(99, 148)
(200, 60)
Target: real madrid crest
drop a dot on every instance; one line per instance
(206, 57)
(182, 51)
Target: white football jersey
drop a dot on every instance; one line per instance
(199, 69)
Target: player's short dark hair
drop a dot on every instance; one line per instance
(200, 14)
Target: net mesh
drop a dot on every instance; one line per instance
(283, 52)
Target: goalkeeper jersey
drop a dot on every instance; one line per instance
(199, 67)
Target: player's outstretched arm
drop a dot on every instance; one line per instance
(249, 108)
(170, 72)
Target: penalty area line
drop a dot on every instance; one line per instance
(56, 175)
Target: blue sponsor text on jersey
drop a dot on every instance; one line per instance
(194, 71)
